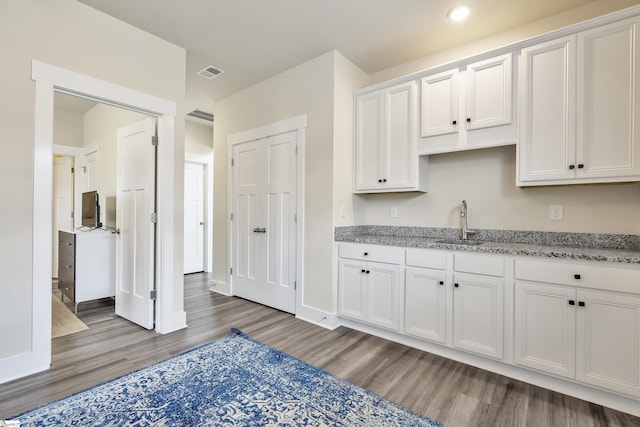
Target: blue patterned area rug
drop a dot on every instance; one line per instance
(234, 381)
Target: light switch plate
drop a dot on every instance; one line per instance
(556, 212)
(393, 213)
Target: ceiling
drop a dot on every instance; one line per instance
(254, 40)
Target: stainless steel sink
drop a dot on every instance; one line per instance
(461, 242)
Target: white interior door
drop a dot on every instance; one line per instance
(62, 202)
(135, 192)
(193, 217)
(263, 230)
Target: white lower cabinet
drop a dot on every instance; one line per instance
(590, 335)
(369, 291)
(574, 320)
(425, 293)
(478, 319)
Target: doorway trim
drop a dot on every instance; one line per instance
(207, 161)
(297, 124)
(49, 79)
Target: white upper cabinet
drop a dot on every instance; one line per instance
(578, 108)
(386, 158)
(468, 108)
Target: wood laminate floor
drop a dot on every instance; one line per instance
(449, 392)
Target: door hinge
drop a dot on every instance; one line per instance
(154, 141)
(296, 149)
(73, 170)
(231, 216)
(154, 217)
(232, 161)
(71, 214)
(231, 270)
(152, 294)
(84, 169)
(295, 285)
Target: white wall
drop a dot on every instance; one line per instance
(486, 178)
(67, 34)
(198, 138)
(305, 89)
(67, 128)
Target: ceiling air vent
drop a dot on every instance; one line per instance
(199, 114)
(210, 72)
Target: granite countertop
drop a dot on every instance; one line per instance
(613, 248)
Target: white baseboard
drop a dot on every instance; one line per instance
(220, 287)
(177, 321)
(318, 317)
(22, 365)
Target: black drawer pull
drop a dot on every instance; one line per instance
(366, 253)
(572, 302)
(455, 122)
(441, 282)
(363, 271)
(576, 276)
(572, 166)
(580, 166)
(581, 303)
(368, 272)
(456, 285)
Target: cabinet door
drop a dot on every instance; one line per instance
(609, 58)
(425, 303)
(351, 288)
(489, 93)
(547, 111)
(545, 328)
(439, 104)
(400, 142)
(608, 341)
(478, 314)
(369, 141)
(382, 295)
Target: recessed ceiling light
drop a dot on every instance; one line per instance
(459, 13)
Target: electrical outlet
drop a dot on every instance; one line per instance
(556, 212)
(393, 213)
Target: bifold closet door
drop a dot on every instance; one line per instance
(263, 224)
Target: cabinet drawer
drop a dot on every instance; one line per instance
(608, 277)
(387, 254)
(427, 258)
(66, 243)
(479, 264)
(66, 267)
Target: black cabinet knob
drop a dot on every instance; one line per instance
(577, 276)
(581, 303)
(468, 119)
(384, 180)
(441, 282)
(366, 253)
(362, 271)
(455, 122)
(572, 166)
(456, 285)
(572, 302)
(580, 166)
(368, 272)
(379, 180)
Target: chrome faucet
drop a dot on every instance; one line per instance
(463, 214)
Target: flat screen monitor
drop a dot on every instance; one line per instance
(91, 209)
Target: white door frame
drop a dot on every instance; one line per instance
(297, 124)
(207, 161)
(49, 79)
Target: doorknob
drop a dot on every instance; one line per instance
(202, 223)
(259, 230)
(116, 231)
